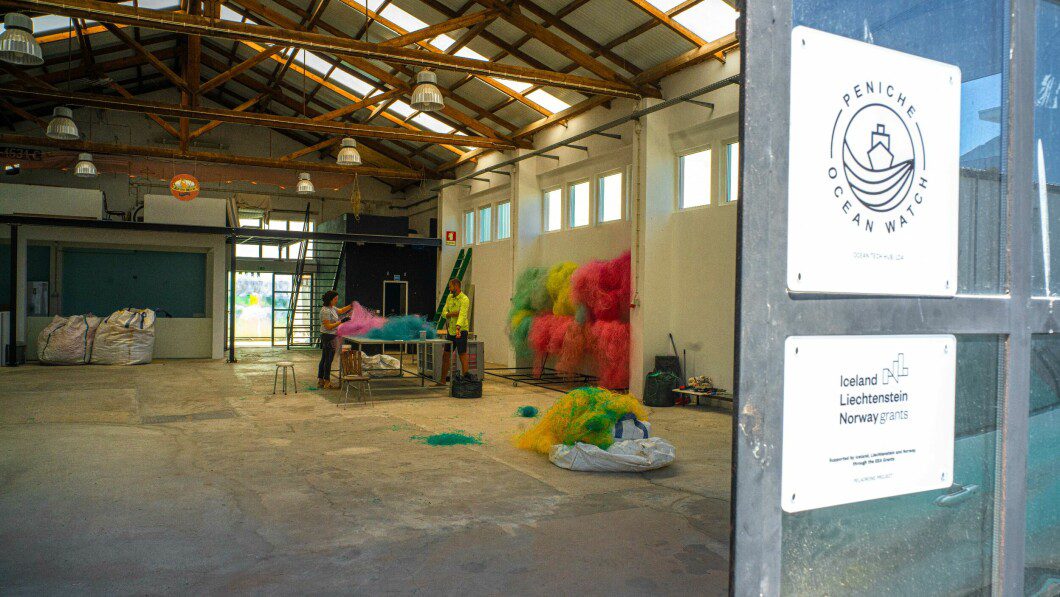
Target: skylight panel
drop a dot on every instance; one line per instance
(442, 42)
(518, 86)
(467, 52)
(710, 19)
(432, 123)
(227, 14)
(402, 108)
(154, 4)
(402, 19)
(547, 101)
(48, 23)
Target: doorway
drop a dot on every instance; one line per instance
(395, 298)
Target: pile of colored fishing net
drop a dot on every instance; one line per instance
(586, 415)
(403, 327)
(360, 323)
(450, 438)
(604, 288)
(558, 285)
(528, 412)
(610, 344)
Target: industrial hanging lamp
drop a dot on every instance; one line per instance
(62, 125)
(85, 167)
(305, 186)
(17, 44)
(426, 97)
(348, 154)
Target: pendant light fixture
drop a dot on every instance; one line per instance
(348, 154)
(62, 125)
(305, 186)
(85, 167)
(17, 44)
(426, 97)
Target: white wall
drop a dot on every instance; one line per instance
(684, 260)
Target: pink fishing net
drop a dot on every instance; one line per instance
(361, 322)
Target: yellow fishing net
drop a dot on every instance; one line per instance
(586, 415)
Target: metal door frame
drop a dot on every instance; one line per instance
(406, 301)
(766, 314)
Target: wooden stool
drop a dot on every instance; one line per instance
(363, 389)
(284, 365)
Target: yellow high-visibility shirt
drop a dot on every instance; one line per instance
(460, 303)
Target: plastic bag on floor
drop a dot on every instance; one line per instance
(126, 337)
(380, 365)
(632, 455)
(67, 340)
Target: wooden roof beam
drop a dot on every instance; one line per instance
(202, 156)
(147, 55)
(254, 119)
(194, 25)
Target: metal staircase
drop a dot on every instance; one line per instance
(463, 260)
(318, 269)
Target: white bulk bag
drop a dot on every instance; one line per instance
(631, 455)
(380, 365)
(67, 340)
(126, 337)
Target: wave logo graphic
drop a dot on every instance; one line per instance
(879, 157)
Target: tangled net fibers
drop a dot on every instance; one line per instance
(586, 415)
(452, 438)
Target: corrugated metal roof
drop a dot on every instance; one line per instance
(599, 20)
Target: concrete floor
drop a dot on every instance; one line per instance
(188, 476)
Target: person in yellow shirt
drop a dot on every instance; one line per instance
(456, 311)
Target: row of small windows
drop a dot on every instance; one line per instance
(485, 231)
(610, 199)
(695, 181)
(695, 186)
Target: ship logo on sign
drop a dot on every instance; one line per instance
(877, 157)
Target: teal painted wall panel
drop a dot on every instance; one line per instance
(102, 281)
(38, 263)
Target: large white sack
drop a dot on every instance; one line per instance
(67, 340)
(380, 365)
(631, 455)
(126, 337)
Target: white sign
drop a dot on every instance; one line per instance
(873, 169)
(866, 417)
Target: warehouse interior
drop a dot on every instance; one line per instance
(206, 170)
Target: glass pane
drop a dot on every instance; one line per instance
(610, 193)
(484, 225)
(579, 204)
(1047, 147)
(553, 210)
(1043, 470)
(732, 180)
(929, 543)
(247, 251)
(253, 306)
(695, 179)
(469, 228)
(971, 34)
(504, 224)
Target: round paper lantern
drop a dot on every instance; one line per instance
(184, 187)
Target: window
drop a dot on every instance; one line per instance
(485, 228)
(469, 228)
(504, 220)
(553, 210)
(732, 172)
(610, 196)
(694, 179)
(579, 204)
